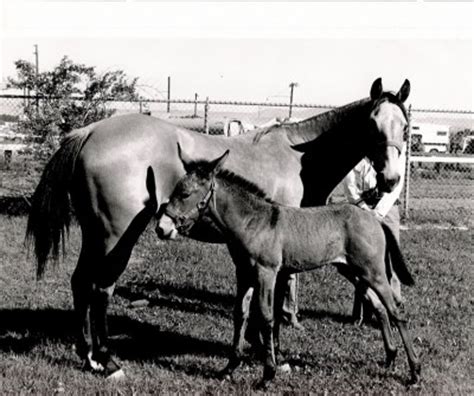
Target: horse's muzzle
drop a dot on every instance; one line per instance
(387, 184)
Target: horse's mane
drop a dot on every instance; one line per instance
(202, 169)
(325, 117)
(321, 118)
(264, 131)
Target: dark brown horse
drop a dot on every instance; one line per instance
(100, 169)
(281, 240)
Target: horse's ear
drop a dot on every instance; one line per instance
(402, 95)
(219, 162)
(376, 90)
(185, 159)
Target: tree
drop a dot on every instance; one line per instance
(70, 96)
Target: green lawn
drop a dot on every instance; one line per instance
(181, 339)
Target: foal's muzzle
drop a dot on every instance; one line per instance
(165, 229)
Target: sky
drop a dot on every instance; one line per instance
(252, 51)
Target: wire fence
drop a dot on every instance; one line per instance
(439, 185)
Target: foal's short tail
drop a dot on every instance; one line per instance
(398, 261)
(50, 213)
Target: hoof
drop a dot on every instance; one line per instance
(116, 376)
(269, 373)
(284, 368)
(112, 370)
(391, 355)
(227, 372)
(415, 375)
(298, 326)
(262, 385)
(92, 365)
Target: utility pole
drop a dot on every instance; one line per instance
(36, 75)
(293, 85)
(169, 95)
(195, 104)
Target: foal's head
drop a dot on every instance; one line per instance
(191, 197)
(388, 127)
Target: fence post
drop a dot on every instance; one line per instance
(8, 154)
(407, 168)
(206, 116)
(169, 95)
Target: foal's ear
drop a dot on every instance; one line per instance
(217, 163)
(376, 90)
(185, 159)
(402, 95)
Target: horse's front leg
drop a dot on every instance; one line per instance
(266, 279)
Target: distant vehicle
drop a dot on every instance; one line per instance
(431, 138)
(221, 126)
(468, 145)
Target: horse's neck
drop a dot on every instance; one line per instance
(340, 142)
(344, 121)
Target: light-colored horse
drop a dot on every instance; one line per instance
(100, 169)
(281, 239)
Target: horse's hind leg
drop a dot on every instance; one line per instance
(107, 267)
(81, 284)
(106, 270)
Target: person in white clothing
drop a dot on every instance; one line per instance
(360, 188)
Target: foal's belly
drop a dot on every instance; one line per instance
(305, 254)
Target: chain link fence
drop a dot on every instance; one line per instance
(439, 186)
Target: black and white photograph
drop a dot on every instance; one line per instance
(236, 197)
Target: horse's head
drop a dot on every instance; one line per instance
(191, 197)
(388, 126)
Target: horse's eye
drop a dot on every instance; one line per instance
(185, 194)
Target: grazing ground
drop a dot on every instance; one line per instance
(180, 340)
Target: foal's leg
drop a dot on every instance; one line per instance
(280, 296)
(370, 296)
(381, 312)
(385, 293)
(266, 278)
(243, 262)
(245, 279)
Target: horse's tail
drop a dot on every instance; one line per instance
(397, 260)
(50, 212)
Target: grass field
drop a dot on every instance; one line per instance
(181, 339)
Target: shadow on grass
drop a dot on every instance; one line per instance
(183, 298)
(193, 300)
(23, 329)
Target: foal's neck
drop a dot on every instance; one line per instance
(241, 212)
